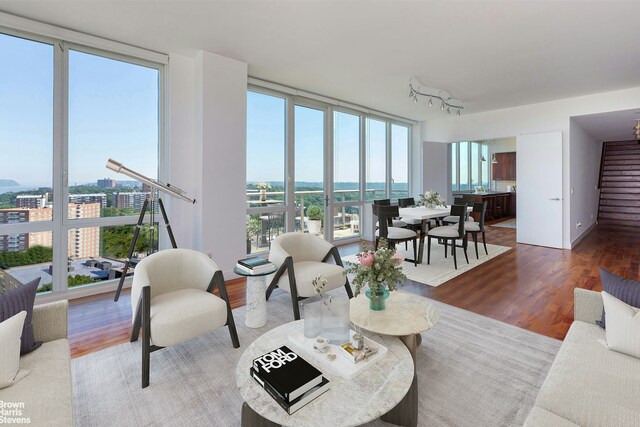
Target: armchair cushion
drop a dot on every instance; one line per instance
(300, 246)
(180, 315)
(306, 271)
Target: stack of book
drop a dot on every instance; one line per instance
(255, 265)
(288, 378)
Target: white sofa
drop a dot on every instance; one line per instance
(46, 391)
(588, 384)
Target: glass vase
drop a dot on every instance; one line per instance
(377, 299)
(335, 319)
(312, 314)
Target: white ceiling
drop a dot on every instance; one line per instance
(612, 126)
(491, 55)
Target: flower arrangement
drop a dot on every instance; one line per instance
(263, 186)
(379, 269)
(431, 199)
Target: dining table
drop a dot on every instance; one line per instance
(425, 214)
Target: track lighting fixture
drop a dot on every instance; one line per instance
(446, 101)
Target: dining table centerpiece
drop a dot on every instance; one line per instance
(431, 199)
(379, 270)
(263, 187)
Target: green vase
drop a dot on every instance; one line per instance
(377, 299)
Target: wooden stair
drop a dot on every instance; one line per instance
(620, 184)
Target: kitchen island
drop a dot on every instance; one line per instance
(499, 204)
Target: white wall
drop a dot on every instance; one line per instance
(436, 171)
(543, 117)
(585, 172)
(181, 149)
(207, 143)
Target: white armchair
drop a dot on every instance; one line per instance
(300, 258)
(172, 301)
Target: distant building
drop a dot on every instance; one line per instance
(89, 198)
(32, 201)
(133, 200)
(107, 183)
(22, 241)
(84, 242)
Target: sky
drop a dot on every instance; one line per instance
(266, 144)
(113, 113)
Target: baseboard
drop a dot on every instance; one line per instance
(583, 235)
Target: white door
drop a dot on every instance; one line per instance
(539, 173)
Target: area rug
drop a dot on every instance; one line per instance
(512, 223)
(472, 371)
(441, 269)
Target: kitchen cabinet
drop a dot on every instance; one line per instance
(498, 204)
(512, 205)
(505, 169)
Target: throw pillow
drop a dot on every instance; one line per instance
(10, 332)
(623, 326)
(13, 302)
(626, 290)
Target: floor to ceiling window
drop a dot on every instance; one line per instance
(469, 165)
(312, 166)
(64, 111)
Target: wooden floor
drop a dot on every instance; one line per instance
(529, 286)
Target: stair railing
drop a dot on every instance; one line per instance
(604, 147)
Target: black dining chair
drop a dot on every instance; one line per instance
(474, 228)
(394, 235)
(449, 232)
(397, 222)
(452, 219)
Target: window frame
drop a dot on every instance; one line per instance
(61, 224)
(293, 99)
(455, 152)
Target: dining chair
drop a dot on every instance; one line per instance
(397, 222)
(453, 233)
(394, 235)
(452, 219)
(474, 228)
(412, 223)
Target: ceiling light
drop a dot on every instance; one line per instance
(446, 101)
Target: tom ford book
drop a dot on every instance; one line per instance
(298, 402)
(287, 373)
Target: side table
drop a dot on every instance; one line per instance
(256, 299)
(405, 316)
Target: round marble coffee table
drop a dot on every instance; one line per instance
(405, 316)
(349, 402)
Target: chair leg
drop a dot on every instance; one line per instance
(415, 252)
(484, 242)
(475, 242)
(135, 328)
(428, 250)
(218, 278)
(146, 332)
(455, 262)
(376, 244)
(347, 286)
(465, 243)
(293, 288)
(446, 247)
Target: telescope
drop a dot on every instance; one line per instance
(153, 183)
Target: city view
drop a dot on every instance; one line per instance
(95, 254)
(112, 111)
